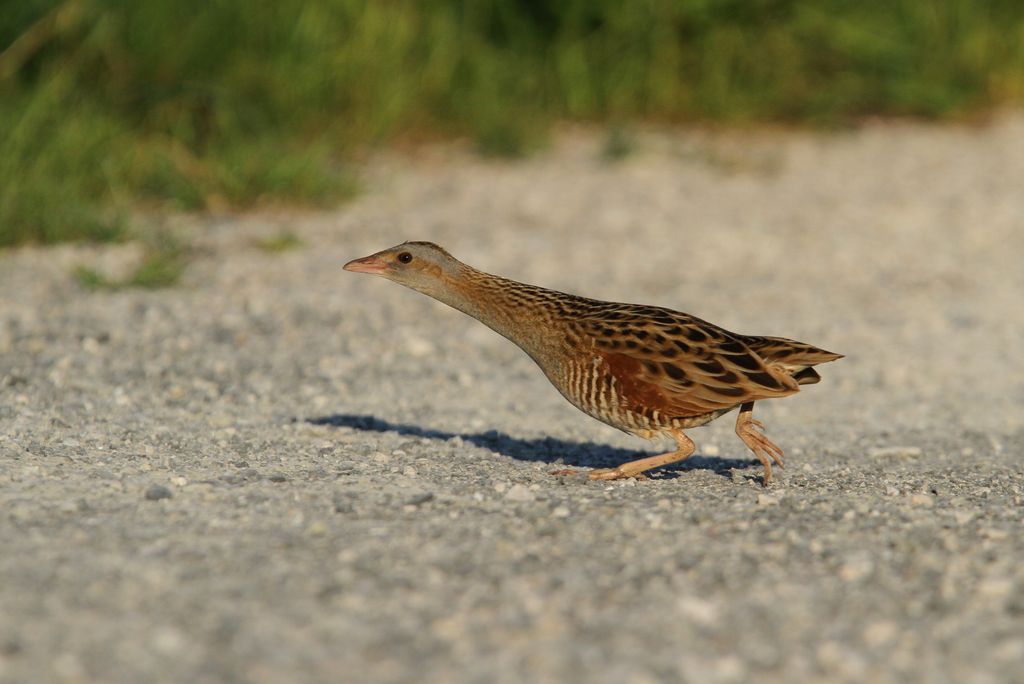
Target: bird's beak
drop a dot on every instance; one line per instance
(371, 264)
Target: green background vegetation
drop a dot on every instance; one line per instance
(108, 107)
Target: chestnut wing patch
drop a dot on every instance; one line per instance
(641, 390)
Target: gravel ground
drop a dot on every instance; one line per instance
(279, 471)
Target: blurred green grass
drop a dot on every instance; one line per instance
(284, 241)
(109, 106)
(163, 263)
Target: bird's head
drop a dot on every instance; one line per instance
(423, 266)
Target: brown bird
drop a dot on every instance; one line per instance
(645, 370)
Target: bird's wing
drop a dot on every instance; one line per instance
(678, 364)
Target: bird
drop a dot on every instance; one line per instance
(647, 370)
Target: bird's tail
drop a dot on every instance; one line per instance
(797, 358)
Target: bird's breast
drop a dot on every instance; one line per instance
(587, 382)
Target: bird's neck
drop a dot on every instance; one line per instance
(527, 315)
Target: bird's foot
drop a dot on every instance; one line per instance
(602, 473)
(619, 473)
(565, 471)
(750, 431)
(636, 469)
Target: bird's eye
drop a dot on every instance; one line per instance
(405, 257)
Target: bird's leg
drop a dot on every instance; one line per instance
(750, 431)
(684, 448)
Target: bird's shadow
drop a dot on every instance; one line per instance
(547, 450)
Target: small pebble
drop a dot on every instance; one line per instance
(895, 452)
(994, 534)
(880, 632)
(156, 492)
(11, 647)
(418, 499)
(922, 500)
(518, 492)
(963, 517)
(343, 502)
(419, 347)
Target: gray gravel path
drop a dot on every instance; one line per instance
(279, 471)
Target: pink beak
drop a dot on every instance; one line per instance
(371, 264)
